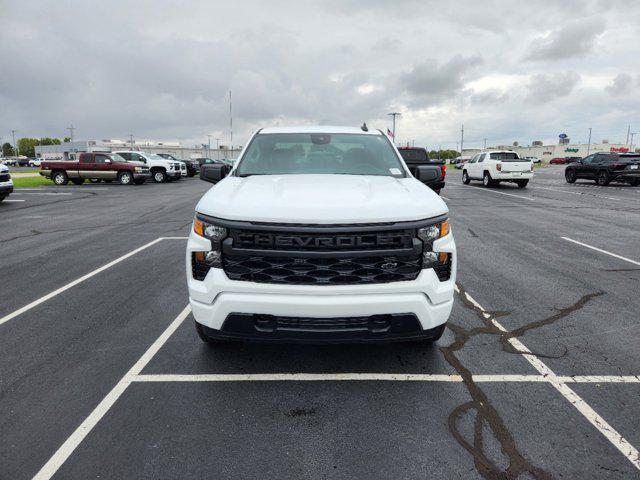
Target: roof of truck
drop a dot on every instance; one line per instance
(320, 129)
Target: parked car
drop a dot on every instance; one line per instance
(572, 159)
(416, 156)
(22, 161)
(606, 167)
(10, 161)
(557, 161)
(95, 166)
(35, 162)
(320, 234)
(497, 166)
(162, 169)
(192, 166)
(6, 184)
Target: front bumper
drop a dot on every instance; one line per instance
(141, 176)
(6, 188)
(173, 174)
(217, 298)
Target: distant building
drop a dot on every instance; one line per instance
(69, 150)
(547, 152)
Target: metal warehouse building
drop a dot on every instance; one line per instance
(547, 152)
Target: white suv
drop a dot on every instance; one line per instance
(497, 166)
(320, 234)
(161, 168)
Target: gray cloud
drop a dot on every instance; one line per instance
(544, 88)
(162, 70)
(621, 85)
(430, 82)
(571, 40)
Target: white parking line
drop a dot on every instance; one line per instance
(577, 193)
(41, 193)
(69, 285)
(389, 377)
(66, 449)
(10, 201)
(617, 440)
(483, 189)
(601, 251)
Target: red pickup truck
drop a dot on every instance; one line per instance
(96, 166)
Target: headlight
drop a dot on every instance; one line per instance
(428, 235)
(137, 169)
(216, 234)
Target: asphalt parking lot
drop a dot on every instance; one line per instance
(103, 376)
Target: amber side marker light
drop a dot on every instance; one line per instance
(444, 228)
(198, 227)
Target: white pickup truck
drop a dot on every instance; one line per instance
(162, 170)
(320, 234)
(495, 166)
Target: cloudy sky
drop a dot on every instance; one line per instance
(508, 70)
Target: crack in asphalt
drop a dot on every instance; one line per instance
(485, 413)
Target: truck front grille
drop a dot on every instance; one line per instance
(5, 177)
(302, 270)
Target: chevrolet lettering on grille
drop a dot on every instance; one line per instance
(322, 242)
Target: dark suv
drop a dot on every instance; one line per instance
(605, 167)
(416, 156)
(193, 167)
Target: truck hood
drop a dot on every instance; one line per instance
(321, 199)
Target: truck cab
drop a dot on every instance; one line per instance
(416, 156)
(162, 169)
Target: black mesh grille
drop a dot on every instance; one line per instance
(322, 271)
(5, 177)
(199, 269)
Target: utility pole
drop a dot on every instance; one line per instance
(485, 144)
(628, 132)
(209, 146)
(217, 148)
(461, 138)
(589, 144)
(394, 115)
(15, 147)
(71, 129)
(631, 144)
(131, 139)
(230, 123)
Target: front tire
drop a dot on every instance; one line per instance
(125, 178)
(60, 177)
(603, 178)
(159, 176)
(465, 178)
(570, 176)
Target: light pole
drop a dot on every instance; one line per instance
(131, 139)
(217, 149)
(631, 144)
(461, 138)
(394, 115)
(485, 144)
(589, 143)
(71, 129)
(15, 147)
(208, 145)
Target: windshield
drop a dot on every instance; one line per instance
(320, 153)
(154, 156)
(114, 157)
(505, 156)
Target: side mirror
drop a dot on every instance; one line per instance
(213, 172)
(428, 173)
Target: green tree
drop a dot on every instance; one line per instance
(7, 150)
(26, 146)
(49, 141)
(67, 139)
